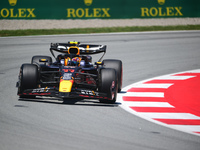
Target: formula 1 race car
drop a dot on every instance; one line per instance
(72, 75)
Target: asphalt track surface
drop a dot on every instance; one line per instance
(49, 124)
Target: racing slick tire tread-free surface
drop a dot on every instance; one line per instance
(117, 65)
(28, 77)
(36, 60)
(108, 84)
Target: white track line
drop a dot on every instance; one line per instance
(149, 85)
(191, 128)
(193, 71)
(145, 94)
(169, 77)
(169, 115)
(148, 104)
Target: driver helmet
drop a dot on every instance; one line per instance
(75, 61)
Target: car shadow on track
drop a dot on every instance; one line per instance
(73, 102)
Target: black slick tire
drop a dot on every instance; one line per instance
(28, 78)
(108, 85)
(117, 65)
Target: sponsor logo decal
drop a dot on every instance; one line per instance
(16, 12)
(161, 2)
(12, 2)
(41, 90)
(162, 11)
(88, 2)
(89, 92)
(67, 76)
(68, 70)
(88, 12)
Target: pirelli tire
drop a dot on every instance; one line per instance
(108, 85)
(36, 60)
(117, 65)
(28, 78)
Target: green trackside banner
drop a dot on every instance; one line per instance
(98, 9)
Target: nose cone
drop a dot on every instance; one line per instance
(65, 85)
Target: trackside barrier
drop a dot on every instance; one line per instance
(94, 9)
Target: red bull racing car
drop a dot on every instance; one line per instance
(72, 75)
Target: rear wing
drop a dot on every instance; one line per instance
(84, 49)
(73, 49)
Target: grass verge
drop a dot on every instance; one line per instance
(4, 33)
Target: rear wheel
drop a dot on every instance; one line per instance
(108, 85)
(117, 65)
(28, 78)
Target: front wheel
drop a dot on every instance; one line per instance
(108, 84)
(28, 79)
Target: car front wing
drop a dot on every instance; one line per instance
(75, 93)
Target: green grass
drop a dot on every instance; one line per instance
(4, 33)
